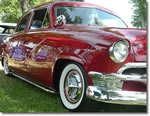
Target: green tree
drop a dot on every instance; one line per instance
(140, 13)
(23, 4)
(11, 10)
(32, 3)
(70, 0)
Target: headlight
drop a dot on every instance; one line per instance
(119, 51)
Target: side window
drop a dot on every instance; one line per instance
(23, 23)
(46, 21)
(8, 31)
(40, 19)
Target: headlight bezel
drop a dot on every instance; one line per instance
(111, 51)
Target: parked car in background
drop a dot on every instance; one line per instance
(5, 30)
(84, 52)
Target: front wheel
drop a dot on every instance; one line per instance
(72, 88)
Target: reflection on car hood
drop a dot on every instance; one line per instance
(106, 36)
(137, 38)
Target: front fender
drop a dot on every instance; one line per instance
(74, 58)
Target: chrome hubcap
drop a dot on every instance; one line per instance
(73, 86)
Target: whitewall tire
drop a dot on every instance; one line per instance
(72, 86)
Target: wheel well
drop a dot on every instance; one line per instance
(59, 66)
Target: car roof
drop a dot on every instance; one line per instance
(75, 2)
(8, 25)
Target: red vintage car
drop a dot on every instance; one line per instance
(82, 51)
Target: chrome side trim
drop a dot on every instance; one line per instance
(116, 96)
(39, 86)
(131, 65)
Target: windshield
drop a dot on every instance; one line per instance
(88, 16)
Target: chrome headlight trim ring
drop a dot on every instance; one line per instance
(112, 52)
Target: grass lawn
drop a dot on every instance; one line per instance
(19, 96)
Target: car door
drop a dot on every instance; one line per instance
(37, 50)
(17, 53)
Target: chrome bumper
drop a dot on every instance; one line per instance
(108, 87)
(116, 96)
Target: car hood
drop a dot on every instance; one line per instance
(106, 36)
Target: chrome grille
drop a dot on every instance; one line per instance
(135, 71)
